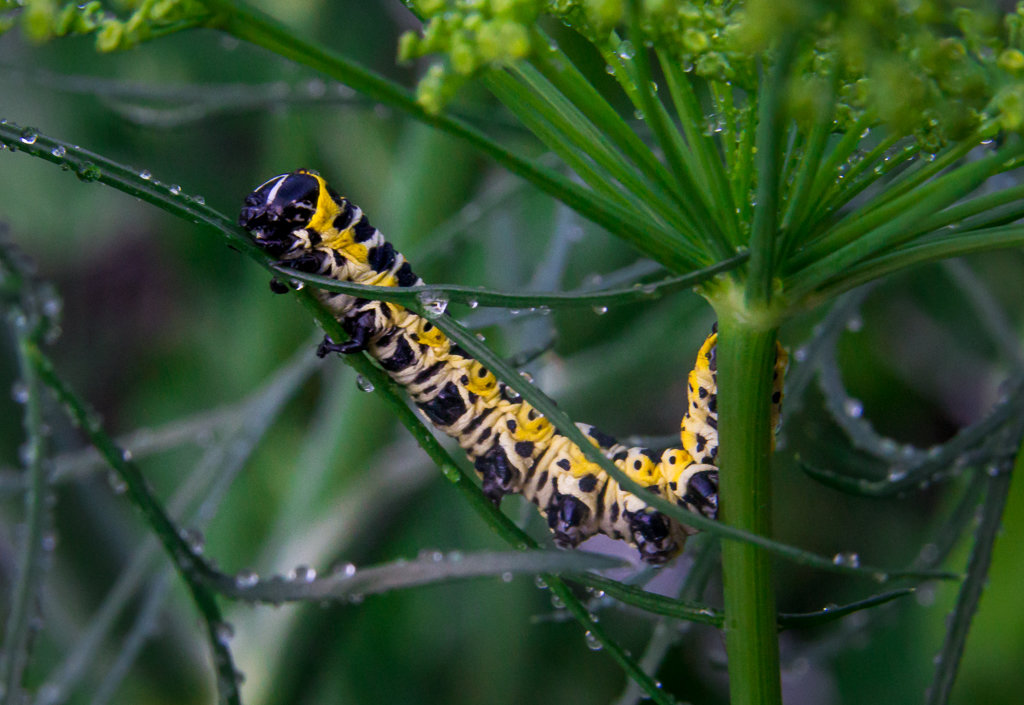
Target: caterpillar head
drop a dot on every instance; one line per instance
(279, 212)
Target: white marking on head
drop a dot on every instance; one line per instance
(273, 192)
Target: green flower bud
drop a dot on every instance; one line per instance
(38, 19)
(429, 8)
(463, 56)
(695, 41)
(604, 14)
(1010, 104)
(515, 39)
(430, 92)
(1011, 60)
(408, 46)
(109, 37)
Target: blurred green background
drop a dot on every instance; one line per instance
(162, 322)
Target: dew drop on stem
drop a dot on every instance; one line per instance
(246, 579)
(846, 558)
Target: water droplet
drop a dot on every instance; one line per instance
(853, 408)
(29, 136)
(48, 693)
(194, 539)
(929, 553)
(174, 189)
(472, 303)
(126, 455)
(434, 303)
(345, 570)
(855, 324)
(224, 633)
(506, 577)
(302, 574)
(19, 392)
(593, 643)
(246, 579)
(315, 87)
(897, 475)
(540, 583)
(626, 50)
(846, 558)
(118, 485)
(600, 310)
(557, 602)
(198, 198)
(364, 384)
(145, 175)
(58, 151)
(87, 171)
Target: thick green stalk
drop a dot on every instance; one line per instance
(745, 355)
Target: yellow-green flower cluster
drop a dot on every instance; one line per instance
(470, 35)
(45, 19)
(933, 69)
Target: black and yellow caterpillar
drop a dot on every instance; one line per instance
(300, 220)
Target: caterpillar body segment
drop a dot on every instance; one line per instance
(300, 220)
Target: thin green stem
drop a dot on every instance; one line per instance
(562, 73)
(565, 130)
(17, 634)
(764, 229)
(678, 157)
(894, 223)
(805, 294)
(488, 297)
(991, 517)
(712, 168)
(190, 566)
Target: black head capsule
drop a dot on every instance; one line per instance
(276, 209)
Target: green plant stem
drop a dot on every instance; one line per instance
(190, 566)
(745, 357)
(767, 163)
(17, 641)
(476, 296)
(991, 517)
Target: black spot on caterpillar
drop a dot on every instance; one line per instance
(301, 221)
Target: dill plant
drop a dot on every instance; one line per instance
(804, 147)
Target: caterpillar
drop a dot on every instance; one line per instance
(298, 219)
